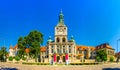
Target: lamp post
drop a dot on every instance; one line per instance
(117, 51)
(117, 44)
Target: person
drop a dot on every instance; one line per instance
(51, 62)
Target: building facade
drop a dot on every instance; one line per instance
(61, 45)
(13, 50)
(107, 48)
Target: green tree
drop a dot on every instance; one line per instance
(111, 59)
(102, 54)
(35, 39)
(32, 41)
(21, 47)
(3, 54)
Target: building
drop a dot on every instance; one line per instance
(107, 48)
(62, 45)
(13, 50)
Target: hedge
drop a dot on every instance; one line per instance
(27, 63)
(96, 63)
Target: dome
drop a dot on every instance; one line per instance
(72, 39)
(49, 40)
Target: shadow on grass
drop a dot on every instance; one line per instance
(8, 69)
(111, 69)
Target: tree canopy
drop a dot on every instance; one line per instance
(101, 55)
(3, 53)
(32, 41)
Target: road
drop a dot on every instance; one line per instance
(13, 66)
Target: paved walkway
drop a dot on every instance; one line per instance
(12, 66)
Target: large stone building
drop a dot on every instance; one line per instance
(61, 46)
(107, 48)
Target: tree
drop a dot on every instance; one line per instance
(3, 54)
(102, 54)
(21, 47)
(111, 59)
(32, 41)
(35, 39)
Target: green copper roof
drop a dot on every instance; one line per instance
(49, 40)
(61, 19)
(72, 39)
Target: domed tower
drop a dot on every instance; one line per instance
(61, 30)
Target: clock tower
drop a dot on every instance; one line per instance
(61, 30)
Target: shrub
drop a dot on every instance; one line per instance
(17, 58)
(24, 58)
(10, 58)
(98, 58)
(111, 59)
(36, 63)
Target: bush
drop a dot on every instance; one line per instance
(98, 58)
(24, 58)
(111, 59)
(94, 63)
(10, 58)
(35, 63)
(17, 58)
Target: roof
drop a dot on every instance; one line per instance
(16, 46)
(61, 19)
(11, 47)
(105, 45)
(84, 47)
(27, 50)
(43, 49)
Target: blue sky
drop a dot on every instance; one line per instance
(91, 22)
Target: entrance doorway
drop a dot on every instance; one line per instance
(63, 58)
(58, 58)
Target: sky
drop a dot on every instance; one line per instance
(91, 22)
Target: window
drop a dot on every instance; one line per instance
(63, 46)
(63, 39)
(85, 52)
(69, 50)
(51, 50)
(58, 40)
(52, 47)
(63, 50)
(57, 50)
(69, 46)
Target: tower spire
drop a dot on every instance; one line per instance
(61, 19)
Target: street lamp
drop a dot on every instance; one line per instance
(117, 44)
(117, 51)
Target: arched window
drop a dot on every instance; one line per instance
(63, 39)
(57, 39)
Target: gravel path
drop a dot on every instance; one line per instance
(12, 66)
